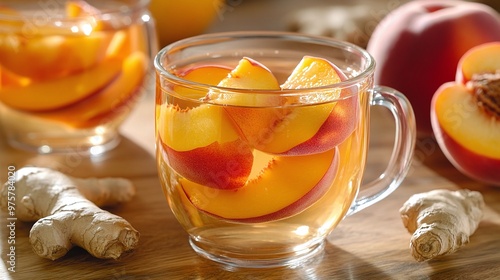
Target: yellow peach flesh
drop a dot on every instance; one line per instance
(202, 142)
(7, 78)
(276, 187)
(250, 74)
(208, 75)
(123, 87)
(49, 53)
(63, 55)
(280, 184)
(184, 130)
(278, 129)
(460, 117)
(481, 59)
(312, 72)
(302, 123)
(58, 93)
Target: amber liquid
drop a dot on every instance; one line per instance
(56, 60)
(270, 241)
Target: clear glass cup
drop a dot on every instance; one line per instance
(244, 188)
(71, 71)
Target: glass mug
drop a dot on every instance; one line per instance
(288, 200)
(71, 71)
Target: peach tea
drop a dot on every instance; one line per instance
(70, 71)
(260, 153)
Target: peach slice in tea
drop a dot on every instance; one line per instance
(107, 100)
(206, 74)
(54, 94)
(202, 145)
(277, 124)
(285, 187)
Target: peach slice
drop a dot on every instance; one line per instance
(186, 130)
(202, 145)
(322, 126)
(277, 129)
(340, 123)
(248, 75)
(468, 136)
(54, 56)
(80, 8)
(206, 74)
(55, 94)
(47, 56)
(107, 100)
(280, 191)
(7, 78)
(218, 165)
(132, 39)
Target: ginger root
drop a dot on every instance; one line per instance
(441, 221)
(67, 213)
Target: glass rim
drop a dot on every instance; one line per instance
(282, 35)
(132, 6)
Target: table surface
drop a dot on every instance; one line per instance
(372, 244)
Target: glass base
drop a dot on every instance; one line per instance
(80, 143)
(256, 258)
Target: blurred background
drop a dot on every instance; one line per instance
(350, 20)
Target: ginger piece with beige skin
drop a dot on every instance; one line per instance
(441, 221)
(67, 213)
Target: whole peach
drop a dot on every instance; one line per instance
(418, 45)
(179, 19)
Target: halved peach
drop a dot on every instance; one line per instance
(54, 94)
(202, 145)
(469, 137)
(107, 100)
(465, 114)
(281, 190)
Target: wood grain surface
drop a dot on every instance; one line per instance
(372, 244)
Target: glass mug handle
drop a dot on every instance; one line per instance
(402, 153)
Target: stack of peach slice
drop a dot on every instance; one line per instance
(76, 80)
(259, 157)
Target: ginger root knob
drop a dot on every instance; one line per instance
(66, 213)
(441, 221)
